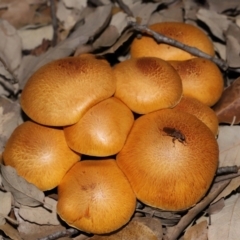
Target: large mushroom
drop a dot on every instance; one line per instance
(170, 159)
(40, 154)
(59, 93)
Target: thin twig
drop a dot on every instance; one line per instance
(54, 23)
(66, 233)
(14, 78)
(227, 170)
(163, 39)
(125, 8)
(96, 2)
(226, 177)
(174, 232)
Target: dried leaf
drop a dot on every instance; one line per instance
(233, 46)
(69, 12)
(225, 224)
(167, 218)
(233, 56)
(18, 13)
(113, 31)
(123, 38)
(134, 230)
(144, 11)
(10, 118)
(30, 231)
(10, 45)
(229, 142)
(79, 37)
(217, 23)
(216, 207)
(40, 215)
(197, 232)
(171, 14)
(153, 223)
(222, 6)
(42, 48)
(5, 206)
(32, 36)
(190, 10)
(10, 231)
(75, 4)
(228, 106)
(238, 20)
(220, 49)
(23, 192)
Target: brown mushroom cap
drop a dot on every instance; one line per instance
(96, 197)
(166, 173)
(39, 154)
(201, 79)
(199, 110)
(103, 130)
(188, 34)
(147, 84)
(60, 92)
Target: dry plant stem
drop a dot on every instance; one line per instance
(227, 170)
(163, 39)
(14, 79)
(54, 23)
(174, 232)
(96, 2)
(226, 177)
(66, 233)
(125, 8)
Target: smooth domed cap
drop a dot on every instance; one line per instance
(201, 79)
(166, 173)
(39, 154)
(59, 93)
(96, 197)
(185, 33)
(103, 130)
(147, 84)
(199, 110)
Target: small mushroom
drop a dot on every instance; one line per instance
(201, 79)
(201, 111)
(147, 84)
(103, 130)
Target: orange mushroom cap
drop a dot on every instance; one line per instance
(96, 197)
(40, 154)
(102, 131)
(201, 79)
(199, 110)
(185, 33)
(59, 93)
(170, 159)
(147, 84)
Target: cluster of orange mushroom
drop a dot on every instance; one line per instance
(148, 119)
